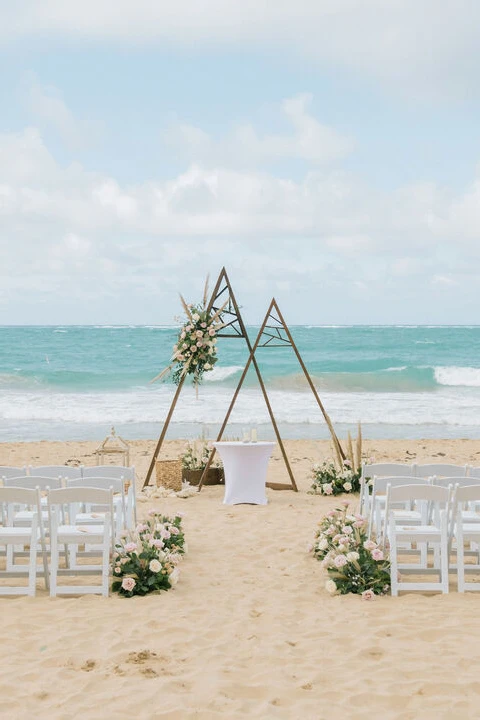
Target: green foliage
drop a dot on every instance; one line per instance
(146, 559)
(328, 480)
(354, 563)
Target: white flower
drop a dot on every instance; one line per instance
(323, 544)
(330, 587)
(174, 575)
(155, 566)
(195, 317)
(351, 556)
(327, 489)
(347, 486)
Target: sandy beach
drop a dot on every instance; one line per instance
(249, 631)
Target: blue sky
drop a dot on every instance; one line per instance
(325, 152)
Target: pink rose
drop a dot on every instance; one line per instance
(128, 584)
(368, 595)
(369, 545)
(130, 547)
(377, 555)
(340, 561)
(211, 332)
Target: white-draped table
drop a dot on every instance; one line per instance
(245, 465)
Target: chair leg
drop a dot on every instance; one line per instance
(393, 560)
(32, 571)
(53, 565)
(106, 563)
(460, 561)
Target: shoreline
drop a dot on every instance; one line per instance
(301, 453)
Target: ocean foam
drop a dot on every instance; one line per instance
(458, 376)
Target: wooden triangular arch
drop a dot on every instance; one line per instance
(233, 328)
(274, 332)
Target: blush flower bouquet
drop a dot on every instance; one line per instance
(146, 559)
(328, 480)
(354, 563)
(195, 351)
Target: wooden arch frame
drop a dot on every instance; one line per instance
(276, 334)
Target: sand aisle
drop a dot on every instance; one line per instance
(249, 631)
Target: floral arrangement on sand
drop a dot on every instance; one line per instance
(342, 475)
(354, 563)
(195, 351)
(196, 455)
(146, 559)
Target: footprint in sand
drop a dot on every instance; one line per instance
(139, 658)
(88, 666)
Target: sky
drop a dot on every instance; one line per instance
(326, 152)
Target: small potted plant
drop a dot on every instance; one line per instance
(194, 461)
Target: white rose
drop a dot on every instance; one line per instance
(174, 575)
(330, 587)
(195, 317)
(351, 556)
(347, 486)
(155, 566)
(323, 544)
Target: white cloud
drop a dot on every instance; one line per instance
(310, 141)
(64, 228)
(413, 47)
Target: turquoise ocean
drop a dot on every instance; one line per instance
(74, 382)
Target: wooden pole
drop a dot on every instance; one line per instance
(164, 432)
(309, 379)
(251, 359)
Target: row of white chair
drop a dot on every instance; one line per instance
(101, 476)
(442, 516)
(416, 470)
(28, 523)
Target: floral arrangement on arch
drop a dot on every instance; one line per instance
(333, 477)
(146, 559)
(354, 563)
(195, 351)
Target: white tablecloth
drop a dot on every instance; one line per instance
(245, 467)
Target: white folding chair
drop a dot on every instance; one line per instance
(125, 473)
(32, 535)
(466, 529)
(473, 472)
(91, 515)
(369, 471)
(434, 502)
(96, 536)
(8, 471)
(378, 498)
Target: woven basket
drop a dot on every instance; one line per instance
(214, 476)
(169, 474)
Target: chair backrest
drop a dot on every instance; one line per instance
(33, 481)
(472, 472)
(467, 493)
(454, 480)
(385, 469)
(74, 498)
(98, 482)
(429, 499)
(7, 471)
(380, 483)
(81, 494)
(442, 469)
(12, 497)
(111, 471)
(55, 471)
